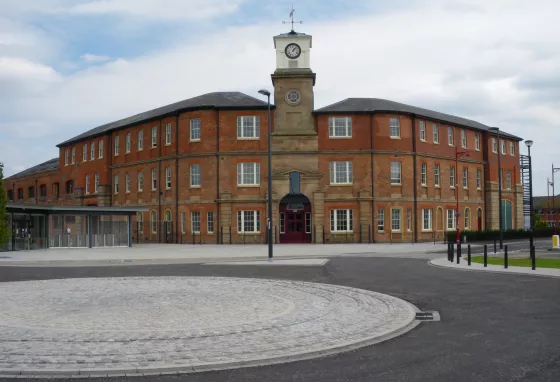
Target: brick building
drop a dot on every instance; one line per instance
(362, 169)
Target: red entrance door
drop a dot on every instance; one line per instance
(295, 225)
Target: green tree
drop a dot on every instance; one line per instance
(4, 229)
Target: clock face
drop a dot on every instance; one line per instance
(293, 97)
(293, 50)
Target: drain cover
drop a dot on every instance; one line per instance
(428, 316)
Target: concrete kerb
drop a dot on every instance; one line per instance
(477, 267)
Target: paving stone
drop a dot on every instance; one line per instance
(154, 325)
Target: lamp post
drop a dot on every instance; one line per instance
(497, 131)
(269, 220)
(458, 154)
(529, 143)
(554, 170)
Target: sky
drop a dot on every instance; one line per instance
(67, 66)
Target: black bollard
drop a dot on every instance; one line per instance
(533, 260)
(458, 253)
(485, 255)
(531, 243)
(448, 252)
(494, 245)
(469, 254)
(505, 257)
(452, 251)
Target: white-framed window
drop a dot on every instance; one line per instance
(210, 222)
(248, 221)
(424, 174)
(96, 183)
(395, 172)
(195, 175)
(87, 183)
(341, 221)
(195, 221)
(100, 149)
(168, 221)
(451, 223)
(426, 219)
(127, 182)
(195, 129)
(511, 149)
(248, 173)
(168, 133)
(450, 136)
(140, 140)
(66, 157)
(282, 223)
(116, 182)
(92, 151)
(394, 127)
(127, 143)
(467, 219)
(477, 141)
(140, 220)
(478, 179)
(308, 222)
(503, 144)
(494, 145)
(465, 177)
(423, 131)
(168, 178)
(435, 133)
(409, 219)
(182, 222)
(452, 177)
(396, 219)
(117, 145)
(154, 179)
(380, 219)
(248, 127)
(436, 175)
(340, 127)
(464, 138)
(154, 136)
(154, 222)
(508, 179)
(340, 172)
(84, 152)
(73, 155)
(140, 181)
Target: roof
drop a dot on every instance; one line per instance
(292, 33)
(370, 105)
(50, 165)
(216, 100)
(75, 209)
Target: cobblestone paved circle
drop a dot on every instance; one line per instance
(184, 324)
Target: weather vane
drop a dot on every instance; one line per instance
(292, 17)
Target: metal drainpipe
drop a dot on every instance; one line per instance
(36, 191)
(415, 175)
(177, 177)
(217, 223)
(158, 188)
(372, 183)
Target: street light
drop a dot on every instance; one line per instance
(269, 220)
(458, 154)
(554, 170)
(529, 143)
(497, 131)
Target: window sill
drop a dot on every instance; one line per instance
(341, 232)
(248, 185)
(154, 190)
(424, 185)
(248, 233)
(153, 147)
(168, 144)
(479, 189)
(127, 152)
(427, 230)
(476, 149)
(437, 186)
(194, 186)
(391, 137)
(436, 143)
(423, 140)
(451, 145)
(194, 140)
(396, 231)
(140, 190)
(465, 188)
(248, 138)
(341, 137)
(341, 184)
(128, 192)
(396, 184)
(167, 188)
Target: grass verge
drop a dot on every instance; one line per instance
(540, 263)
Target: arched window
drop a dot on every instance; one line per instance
(154, 222)
(140, 220)
(479, 219)
(467, 218)
(168, 221)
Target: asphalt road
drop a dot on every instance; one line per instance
(495, 327)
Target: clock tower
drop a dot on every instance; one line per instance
(293, 83)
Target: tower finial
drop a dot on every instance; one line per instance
(292, 17)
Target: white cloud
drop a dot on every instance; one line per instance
(491, 61)
(93, 58)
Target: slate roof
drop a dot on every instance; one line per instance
(50, 165)
(369, 105)
(216, 100)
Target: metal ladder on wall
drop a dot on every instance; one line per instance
(525, 166)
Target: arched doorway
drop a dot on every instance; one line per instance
(295, 219)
